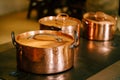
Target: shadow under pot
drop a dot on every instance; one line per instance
(62, 22)
(98, 26)
(43, 51)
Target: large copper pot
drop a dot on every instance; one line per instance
(98, 26)
(44, 51)
(62, 22)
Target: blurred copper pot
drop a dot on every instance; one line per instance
(62, 22)
(44, 51)
(98, 26)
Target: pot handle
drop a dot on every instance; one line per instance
(58, 39)
(63, 15)
(18, 48)
(13, 38)
(75, 40)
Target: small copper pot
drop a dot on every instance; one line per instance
(62, 22)
(44, 51)
(98, 26)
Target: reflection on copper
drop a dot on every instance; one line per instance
(75, 50)
(51, 61)
(60, 61)
(91, 31)
(107, 31)
(76, 54)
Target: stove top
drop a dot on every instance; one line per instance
(90, 58)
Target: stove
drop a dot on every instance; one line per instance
(90, 59)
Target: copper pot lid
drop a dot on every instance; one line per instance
(59, 21)
(43, 39)
(99, 17)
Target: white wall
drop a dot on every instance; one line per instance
(8, 6)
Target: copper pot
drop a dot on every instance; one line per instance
(44, 51)
(62, 22)
(98, 26)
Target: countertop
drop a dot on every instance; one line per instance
(90, 59)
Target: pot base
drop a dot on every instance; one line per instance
(52, 73)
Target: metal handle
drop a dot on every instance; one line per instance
(13, 38)
(18, 48)
(58, 39)
(63, 15)
(76, 39)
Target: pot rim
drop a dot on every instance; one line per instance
(59, 17)
(44, 31)
(107, 19)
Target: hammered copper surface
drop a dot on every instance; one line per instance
(53, 57)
